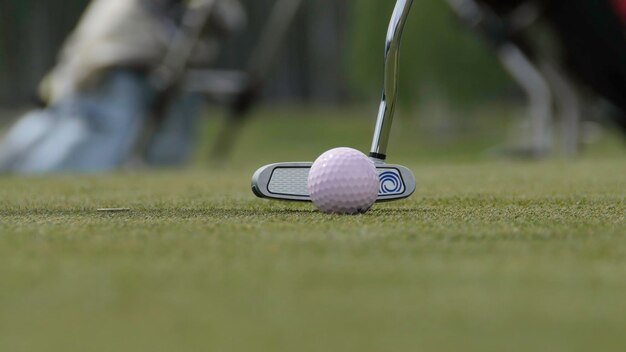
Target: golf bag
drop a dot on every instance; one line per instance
(117, 71)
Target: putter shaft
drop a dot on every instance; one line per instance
(392, 75)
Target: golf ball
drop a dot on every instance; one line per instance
(343, 181)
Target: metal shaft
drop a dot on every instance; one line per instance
(392, 72)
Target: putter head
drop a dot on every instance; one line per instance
(288, 181)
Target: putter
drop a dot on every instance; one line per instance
(288, 181)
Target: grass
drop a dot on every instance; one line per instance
(489, 255)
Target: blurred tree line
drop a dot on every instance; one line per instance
(334, 51)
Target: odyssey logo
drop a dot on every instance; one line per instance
(391, 182)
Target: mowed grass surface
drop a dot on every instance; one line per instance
(488, 255)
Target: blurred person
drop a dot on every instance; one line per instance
(592, 34)
(103, 94)
(577, 43)
(594, 45)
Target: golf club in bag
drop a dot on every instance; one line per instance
(168, 79)
(262, 61)
(238, 90)
(288, 181)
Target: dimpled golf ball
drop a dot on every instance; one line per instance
(343, 181)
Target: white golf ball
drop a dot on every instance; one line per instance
(343, 181)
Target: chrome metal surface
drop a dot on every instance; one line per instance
(392, 73)
(288, 181)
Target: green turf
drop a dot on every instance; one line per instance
(489, 255)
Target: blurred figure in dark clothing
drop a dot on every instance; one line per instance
(593, 40)
(594, 44)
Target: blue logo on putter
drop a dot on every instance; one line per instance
(390, 183)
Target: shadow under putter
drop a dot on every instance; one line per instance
(288, 181)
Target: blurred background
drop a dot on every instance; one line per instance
(453, 85)
(333, 56)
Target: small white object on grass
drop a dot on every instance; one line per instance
(113, 210)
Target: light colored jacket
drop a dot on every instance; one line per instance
(119, 33)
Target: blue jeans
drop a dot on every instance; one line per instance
(99, 128)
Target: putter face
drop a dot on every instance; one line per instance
(288, 181)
